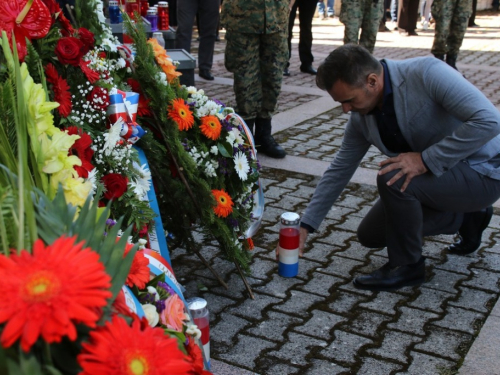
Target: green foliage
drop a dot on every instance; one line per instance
(86, 16)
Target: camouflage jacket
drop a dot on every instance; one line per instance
(255, 16)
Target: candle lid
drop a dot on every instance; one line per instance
(113, 3)
(151, 12)
(162, 4)
(196, 303)
(290, 218)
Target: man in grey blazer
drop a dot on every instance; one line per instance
(442, 173)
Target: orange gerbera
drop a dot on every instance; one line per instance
(224, 203)
(117, 348)
(164, 61)
(180, 113)
(139, 271)
(47, 292)
(210, 127)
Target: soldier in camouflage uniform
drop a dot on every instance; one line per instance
(364, 14)
(257, 52)
(451, 18)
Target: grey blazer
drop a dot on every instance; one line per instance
(440, 114)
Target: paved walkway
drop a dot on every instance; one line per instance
(317, 323)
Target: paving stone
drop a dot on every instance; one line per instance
(342, 267)
(423, 364)
(431, 299)
(337, 238)
(262, 268)
(246, 351)
(318, 251)
(296, 348)
(343, 302)
(345, 347)
(321, 367)
(350, 224)
(412, 321)
(282, 369)
(279, 286)
(445, 281)
(489, 261)
(460, 320)
(354, 250)
(376, 366)
(227, 328)
(320, 283)
(444, 343)
(483, 279)
(306, 266)
(320, 324)
(299, 302)
(458, 264)
(366, 323)
(395, 345)
(216, 304)
(473, 299)
(273, 326)
(384, 302)
(252, 309)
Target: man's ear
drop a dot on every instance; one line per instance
(372, 80)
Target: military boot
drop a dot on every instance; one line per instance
(265, 142)
(440, 57)
(451, 60)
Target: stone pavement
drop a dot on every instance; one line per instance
(317, 323)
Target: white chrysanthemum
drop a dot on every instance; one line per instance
(193, 330)
(191, 90)
(241, 165)
(151, 314)
(121, 63)
(142, 243)
(153, 291)
(238, 138)
(214, 150)
(141, 185)
(112, 137)
(92, 177)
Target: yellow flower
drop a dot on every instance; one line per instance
(55, 152)
(76, 191)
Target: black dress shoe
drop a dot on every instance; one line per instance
(391, 278)
(205, 73)
(308, 69)
(471, 231)
(286, 72)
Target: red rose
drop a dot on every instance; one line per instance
(87, 38)
(115, 184)
(98, 98)
(69, 50)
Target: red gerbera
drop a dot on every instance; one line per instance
(60, 86)
(224, 205)
(46, 293)
(179, 112)
(143, 107)
(211, 127)
(81, 148)
(139, 271)
(91, 75)
(117, 348)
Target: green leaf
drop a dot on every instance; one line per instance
(225, 149)
(29, 365)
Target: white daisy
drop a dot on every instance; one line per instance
(112, 137)
(141, 185)
(241, 165)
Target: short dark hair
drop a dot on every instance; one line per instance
(350, 63)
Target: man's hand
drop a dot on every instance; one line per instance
(302, 241)
(409, 164)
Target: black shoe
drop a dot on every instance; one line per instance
(473, 25)
(205, 73)
(391, 278)
(383, 29)
(471, 231)
(264, 141)
(439, 57)
(451, 60)
(286, 72)
(308, 69)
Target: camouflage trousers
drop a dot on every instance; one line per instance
(257, 62)
(364, 14)
(452, 17)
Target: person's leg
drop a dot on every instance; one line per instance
(472, 19)
(461, 189)
(243, 60)
(186, 11)
(291, 22)
(208, 12)
(306, 14)
(351, 17)
(372, 14)
(441, 12)
(273, 57)
(458, 27)
(321, 8)
(394, 10)
(329, 9)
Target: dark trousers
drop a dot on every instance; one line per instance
(472, 19)
(208, 11)
(306, 13)
(430, 206)
(407, 15)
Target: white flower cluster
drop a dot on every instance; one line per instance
(162, 78)
(202, 160)
(109, 41)
(108, 149)
(203, 106)
(89, 114)
(103, 66)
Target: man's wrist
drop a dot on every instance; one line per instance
(307, 227)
